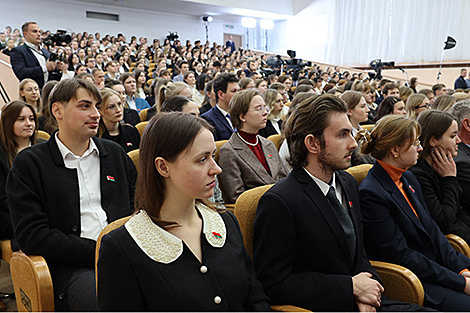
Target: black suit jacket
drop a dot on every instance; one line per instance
(269, 129)
(223, 131)
(460, 83)
(300, 251)
(25, 64)
(462, 160)
(394, 234)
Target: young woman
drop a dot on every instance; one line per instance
(17, 132)
(247, 159)
(443, 103)
(111, 126)
(246, 83)
(29, 93)
(130, 85)
(190, 79)
(141, 82)
(416, 104)
(274, 102)
(436, 172)
(177, 253)
(261, 85)
(165, 92)
(180, 104)
(397, 225)
(390, 105)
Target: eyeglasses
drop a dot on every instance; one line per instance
(416, 143)
(261, 109)
(427, 106)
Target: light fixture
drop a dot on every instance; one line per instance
(248, 22)
(208, 19)
(266, 24)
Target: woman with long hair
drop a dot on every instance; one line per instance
(177, 252)
(390, 105)
(416, 104)
(30, 93)
(111, 126)
(437, 173)
(141, 82)
(274, 102)
(18, 126)
(397, 225)
(165, 92)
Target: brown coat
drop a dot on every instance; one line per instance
(241, 169)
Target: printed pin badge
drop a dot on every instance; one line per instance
(217, 235)
(129, 144)
(110, 178)
(412, 190)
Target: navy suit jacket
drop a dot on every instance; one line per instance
(393, 233)
(230, 44)
(26, 65)
(300, 249)
(223, 131)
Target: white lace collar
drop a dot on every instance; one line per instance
(164, 247)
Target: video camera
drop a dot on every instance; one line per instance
(172, 36)
(58, 39)
(377, 65)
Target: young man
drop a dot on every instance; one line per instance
(308, 242)
(225, 87)
(183, 67)
(64, 192)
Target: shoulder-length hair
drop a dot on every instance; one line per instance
(167, 135)
(386, 107)
(9, 116)
(434, 124)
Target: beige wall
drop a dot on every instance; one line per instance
(8, 79)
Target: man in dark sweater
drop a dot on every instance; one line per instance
(63, 192)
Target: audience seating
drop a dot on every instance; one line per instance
(400, 283)
(368, 127)
(141, 127)
(218, 145)
(6, 250)
(459, 244)
(42, 135)
(32, 283)
(277, 140)
(134, 155)
(359, 172)
(143, 115)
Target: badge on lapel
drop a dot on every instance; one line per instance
(270, 156)
(350, 205)
(110, 178)
(412, 190)
(216, 235)
(129, 144)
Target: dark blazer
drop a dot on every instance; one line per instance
(462, 160)
(441, 195)
(25, 64)
(6, 230)
(241, 169)
(129, 280)
(128, 138)
(460, 83)
(300, 251)
(131, 116)
(269, 129)
(223, 131)
(394, 234)
(230, 44)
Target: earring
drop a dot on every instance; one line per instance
(243, 121)
(395, 157)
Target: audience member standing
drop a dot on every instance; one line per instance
(460, 82)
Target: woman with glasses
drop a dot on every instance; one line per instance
(397, 225)
(416, 104)
(274, 104)
(111, 125)
(436, 172)
(247, 159)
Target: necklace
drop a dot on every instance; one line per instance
(248, 143)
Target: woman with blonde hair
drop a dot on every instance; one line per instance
(165, 92)
(405, 93)
(246, 83)
(274, 102)
(111, 126)
(397, 225)
(443, 103)
(416, 104)
(30, 93)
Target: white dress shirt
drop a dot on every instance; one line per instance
(225, 113)
(40, 57)
(324, 187)
(92, 216)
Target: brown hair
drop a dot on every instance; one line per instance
(351, 98)
(391, 130)
(66, 90)
(405, 93)
(240, 104)
(9, 116)
(243, 83)
(311, 116)
(386, 107)
(167, 135)
(168, 91)
(50, 125)
(433, 124)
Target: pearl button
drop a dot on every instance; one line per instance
(217, 300)
(203, 269)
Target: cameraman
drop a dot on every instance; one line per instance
(31, 60)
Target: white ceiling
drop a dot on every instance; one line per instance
(220, 9)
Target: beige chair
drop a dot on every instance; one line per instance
(400, 283)
(277, 140)
(32, 283)
(368, 127)
(143, 115)
(134, 155)
(359, 172)
(141, 127)
(6, 250)
(218, 145)
(42, 135)
(459, 244)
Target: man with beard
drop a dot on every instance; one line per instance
(308, 241)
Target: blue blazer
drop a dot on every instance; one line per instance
(25, 64)
(223, 131)
(393, 233)
(140, 103)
